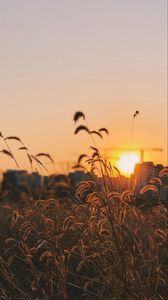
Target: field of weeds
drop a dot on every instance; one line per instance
(101, 248)
(89, 244)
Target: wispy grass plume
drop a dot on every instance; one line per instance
(103, 129)
(97, 133)
(80, 128)
(45, 155)
(81, 157)
(4, 151)
(78, 115)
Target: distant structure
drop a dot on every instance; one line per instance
(78, 176)
(14, 177)
(146, 171)
(17, 181)
(20, 181)
(143, 173)
(157, 169)
(115, 184)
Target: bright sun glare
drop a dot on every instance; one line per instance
(127, 162)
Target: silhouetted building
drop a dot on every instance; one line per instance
(78, 176)
(143, 173)
(35, 185)
(35, 180)
(157, 169)
(15, 178)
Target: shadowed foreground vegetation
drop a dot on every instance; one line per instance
(101, 248)
(89, 244)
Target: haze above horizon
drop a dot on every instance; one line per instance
(105, 58)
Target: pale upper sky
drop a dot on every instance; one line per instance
(104, 57)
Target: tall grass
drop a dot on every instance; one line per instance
(95, 245)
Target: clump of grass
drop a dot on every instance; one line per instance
(9, 151)
(30, 157)
(96, 244)
(104, 247)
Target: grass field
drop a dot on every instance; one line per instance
(98, 246)
(87, 243)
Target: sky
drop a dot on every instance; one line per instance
(106, 58)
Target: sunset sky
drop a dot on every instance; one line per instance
(106, 58)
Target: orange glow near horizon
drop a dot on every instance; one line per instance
(104, 58)
(127, 162)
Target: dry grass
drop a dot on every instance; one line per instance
(96, 245)
(104, 248)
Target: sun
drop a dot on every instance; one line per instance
(127, 162)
